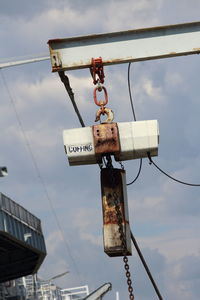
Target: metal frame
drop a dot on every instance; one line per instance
(125, 46)
(22, 62)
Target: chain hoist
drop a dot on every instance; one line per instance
(95, 145)
(119, 215)
(90, 145)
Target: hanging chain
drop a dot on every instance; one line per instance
(97, 72)
(120, 229)
(121, 165)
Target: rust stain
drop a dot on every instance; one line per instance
(109, 193)
(55, 41)
(106, 138)
(56, 69)
(109, 210)
(196, 49)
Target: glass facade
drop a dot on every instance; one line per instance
(20, 223)
(22, 245)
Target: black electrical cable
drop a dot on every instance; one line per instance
(177, 180)
(138, 174)
(130, 94)
(134, 117)
(146, 266)
(66, 83)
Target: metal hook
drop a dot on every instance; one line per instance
(103, 111)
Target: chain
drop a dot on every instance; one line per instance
(96, 69)
(97, 72)
(99, 85)
(121, 165)
(121, 232)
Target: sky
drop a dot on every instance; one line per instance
(35, 109)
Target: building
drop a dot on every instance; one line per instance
(22, 245)
(33, 288)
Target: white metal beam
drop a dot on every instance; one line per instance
(125, 46)
(98, 294)
(22, 62)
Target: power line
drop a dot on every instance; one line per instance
(173, 178)
(37, 170)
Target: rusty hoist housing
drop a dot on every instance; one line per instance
(124, 141)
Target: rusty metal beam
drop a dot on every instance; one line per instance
(125, 46)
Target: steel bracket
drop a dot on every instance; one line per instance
(106, 139)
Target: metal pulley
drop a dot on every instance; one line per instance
(116, 234)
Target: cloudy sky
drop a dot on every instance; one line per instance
(35, 109)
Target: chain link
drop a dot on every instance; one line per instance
(121, 165)
(121, 231)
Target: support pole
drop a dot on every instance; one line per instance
(65, 81)
(145, 266)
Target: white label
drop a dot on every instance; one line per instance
(80, 148)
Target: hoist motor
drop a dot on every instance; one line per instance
(124, 140)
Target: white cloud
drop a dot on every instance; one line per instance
(53, 242)
(129, 14)
(174, 245)
(86, 220)
(151, 91)
(174, 79)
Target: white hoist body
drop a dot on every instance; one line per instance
(124, 140)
